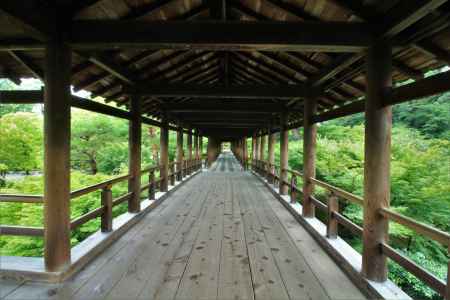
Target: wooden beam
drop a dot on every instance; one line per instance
(406, 14)
(402, 18)
(433, 50)
(256, 92)
(217, 35)
(106, 63)
(31, 16)
(377, 155)
(57, 64)
(433, 85)
(27, 63)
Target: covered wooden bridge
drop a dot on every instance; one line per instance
(237, 226)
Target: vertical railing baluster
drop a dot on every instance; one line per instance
(332, 225)
(293, 189)
(107, 203)
(151, 187)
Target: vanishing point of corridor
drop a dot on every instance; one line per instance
(222, 235)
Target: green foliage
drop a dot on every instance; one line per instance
(27, 214)
(98, 138)
(21, 141)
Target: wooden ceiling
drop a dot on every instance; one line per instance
(218, 65)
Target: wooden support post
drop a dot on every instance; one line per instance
(245, 153)
(134, 146)
(180, 153)
(271, 155)
(164, 156)
(213, 148)
(293, 189)
(151, 187)
(200, 145)
(258, 147)
(377, 156)
(196, 146)
(107, 203)
(332, 225)
(253, 150)
(262, 148)
(172, 174)
(57, 99)
(309, 156)
(189, 154)
(284, 152)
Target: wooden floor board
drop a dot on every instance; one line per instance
(222, 235)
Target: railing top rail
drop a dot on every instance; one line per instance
(429, 231)
(97, 186)
(296, 173)
(339, 192)
(21, 198)
(150, 168)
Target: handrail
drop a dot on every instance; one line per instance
(150, 168)
(21, 230)
(21, 198)
(430, 279)
(98, 186)
(430, 232)
(339, 192)
(105, 210)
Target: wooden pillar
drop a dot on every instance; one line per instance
(134, 152)
(245, 153)
(271, 154)
(253, 147)
(180, 153)
(309, 156)
(258, 147)
(189, 149)
(262, 147)
(200, 145)
(284, 150)
(57, 99)
(196, 145)
(212, 150)
(164, 156)
(377, 154)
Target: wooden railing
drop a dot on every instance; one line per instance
(176, 172)
(335, 217)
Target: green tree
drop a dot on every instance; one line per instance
(21, 141)
(99, 143)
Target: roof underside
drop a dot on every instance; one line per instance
(419, 30)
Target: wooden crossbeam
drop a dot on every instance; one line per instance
(30, 16)
(429, 86)
(218, 35)
(27, 63)
(404, 16)
(256, 92)
(240, 108)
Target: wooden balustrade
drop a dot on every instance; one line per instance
(107, 201)
(335, 218)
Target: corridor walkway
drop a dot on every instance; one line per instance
(222, 235)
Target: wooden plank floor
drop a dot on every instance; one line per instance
(222, 235)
